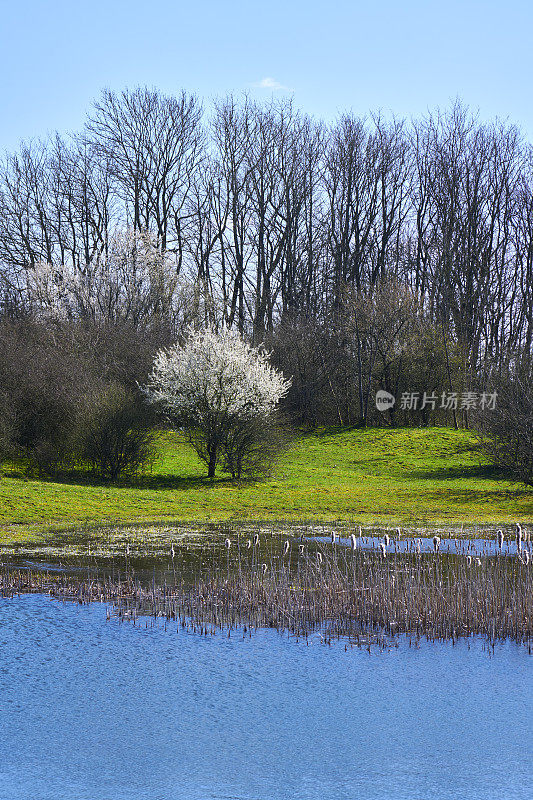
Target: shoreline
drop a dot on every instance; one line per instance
(146, 531)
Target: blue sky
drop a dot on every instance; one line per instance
(400, 57)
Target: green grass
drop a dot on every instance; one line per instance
(370, 476)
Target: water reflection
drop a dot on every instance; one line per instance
(91, 710)
(425, 544)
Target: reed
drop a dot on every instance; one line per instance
(341, 591)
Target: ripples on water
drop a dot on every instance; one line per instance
(91, 710)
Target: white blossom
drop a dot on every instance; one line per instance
(215, 374)
(131, 279)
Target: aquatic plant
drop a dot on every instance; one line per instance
(338, 590)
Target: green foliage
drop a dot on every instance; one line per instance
(369, 477)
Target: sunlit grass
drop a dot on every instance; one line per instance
(370, 476)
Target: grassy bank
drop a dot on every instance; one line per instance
(372, 476)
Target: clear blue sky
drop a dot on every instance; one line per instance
(398, 56)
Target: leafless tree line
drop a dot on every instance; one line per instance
(259, 216)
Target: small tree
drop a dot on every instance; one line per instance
(213, 384)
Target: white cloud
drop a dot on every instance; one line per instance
(270, 83)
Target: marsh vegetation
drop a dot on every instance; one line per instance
(358, 587)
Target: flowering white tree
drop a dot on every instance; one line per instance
(130, 280)
(213, 384)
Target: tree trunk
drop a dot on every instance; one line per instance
(212, 463)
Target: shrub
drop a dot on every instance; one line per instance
(7, 426)
(252, 446)
(116, 436)
(42, 380)
(55, 381)
(507, 431)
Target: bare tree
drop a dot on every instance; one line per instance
(265, 220)
(154, 145)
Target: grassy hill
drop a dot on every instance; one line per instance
(366, 476)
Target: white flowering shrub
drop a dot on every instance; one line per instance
(131, 280)
(213, 384)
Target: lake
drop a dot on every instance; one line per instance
(92, 709)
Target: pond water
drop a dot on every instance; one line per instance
(196, 549)
(96, 710)
(424, 544)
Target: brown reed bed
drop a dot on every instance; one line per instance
(301, 589)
